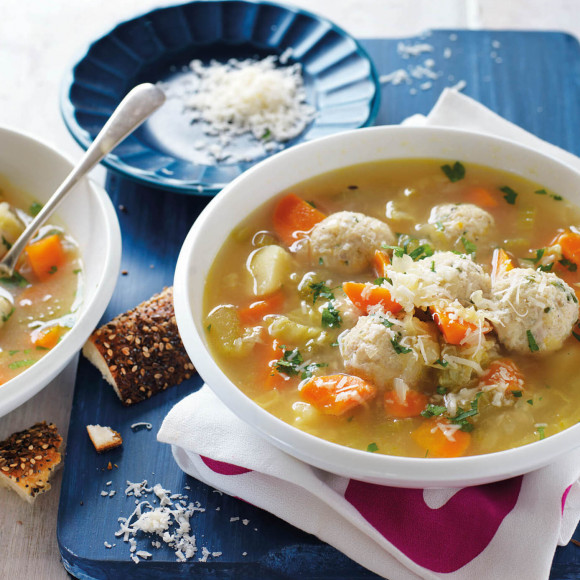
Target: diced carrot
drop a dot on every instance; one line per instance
(453, 329)
(381, 261)
(293, 218)
(412, 406)
(482, 197)
(501, 262)
(364, 296)
(267, 354)
(45, 256)
(570, 244)
(439, 439)
(503, 372)
(257, 310)
(47, 338)
(336, 394)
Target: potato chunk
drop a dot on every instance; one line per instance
(270, 267)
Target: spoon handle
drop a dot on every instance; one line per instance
(133, 110)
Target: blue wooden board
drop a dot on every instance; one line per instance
(530, 78)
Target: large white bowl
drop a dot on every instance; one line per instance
(282, 171)
(89, 217)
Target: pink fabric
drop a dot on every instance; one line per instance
(224, 468)
(448, 537)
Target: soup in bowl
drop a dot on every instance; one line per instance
(64, 278)
(394, 304)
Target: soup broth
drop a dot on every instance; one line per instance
(455, 335)
(38, 305)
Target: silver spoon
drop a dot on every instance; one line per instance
(133, 110)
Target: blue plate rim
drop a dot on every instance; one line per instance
(143, 177)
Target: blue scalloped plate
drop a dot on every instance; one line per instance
(339, 78)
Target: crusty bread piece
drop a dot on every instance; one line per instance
(27, 459)
(140, 352)
(104, 438)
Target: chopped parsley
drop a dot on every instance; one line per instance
(539, 255)
(398, 347)
(16, 279)
(455, 172)
(5, 317)
(532, 341)
(78, 271)
(6, 243)
(516, 394)
(547, 309)
(311, 203)
(320, 261)
(397, 250)
(541, 432)
(433, 410)
(331, 317)
(568, 264)
(470, 247)
(422, 251)
(35, 208)
(432, 265)
(310, 369)
(208, 327)
(510, 194)
(13, 352)
(530, 401)
(441, 362)
(386, 322)
(267, 134)
(541, 192)
(290, 362)
(439, 226)
(372, 447)
(53, 270)
(576, 336)
(320, 290)
(556, 197)
(546, 267)
(379, 281)
(17, 364)
(441, 390)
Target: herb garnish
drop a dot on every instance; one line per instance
(516, 394)
(397, 250)
(454, 173)
(541, 192)
(5, 317)
(6, 243)
(510, 194)
(290, 362)
(441, 390)
(21, 363)
(309, 370)
(422, 251)
(546, 267)
(441, 362)
(539, 255)
(35, 208)
(320, 290)
(53, 270)
(17, 279)
(568, 264)
(541, 432)
(470, 247)
(372, 447)
(439, 226)
(379, 281)
(433, 410)
(532, 341)
(331, 317)
(398, 347)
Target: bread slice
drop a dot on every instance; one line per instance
(140, 352)
(28, 458)
(104, 438)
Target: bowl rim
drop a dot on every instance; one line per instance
(145, 177)
(21, 388)
(362, 465)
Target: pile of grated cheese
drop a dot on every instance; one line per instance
(169, 521)
(262, 98)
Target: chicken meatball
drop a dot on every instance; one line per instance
(536, 310)
(461, 220)
(442, 276)
(380, 350)
(346, 241)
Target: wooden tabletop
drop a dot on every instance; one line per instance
(39, 42)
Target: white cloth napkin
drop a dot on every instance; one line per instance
(504, 530)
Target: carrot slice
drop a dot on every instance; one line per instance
(47, 338)
(257, 310)
(267, 355)
(453, 329)
(501, 262)
(364, 296)
(412, 406)
(440, 439)
(45, 256)
(293, 218)
(336, 394)
(482, 197)
(381, 261)
(503, 372)
(570, 244)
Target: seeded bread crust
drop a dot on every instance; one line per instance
(140, 352)
(28, 458)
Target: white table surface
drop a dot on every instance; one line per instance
(39, 41)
